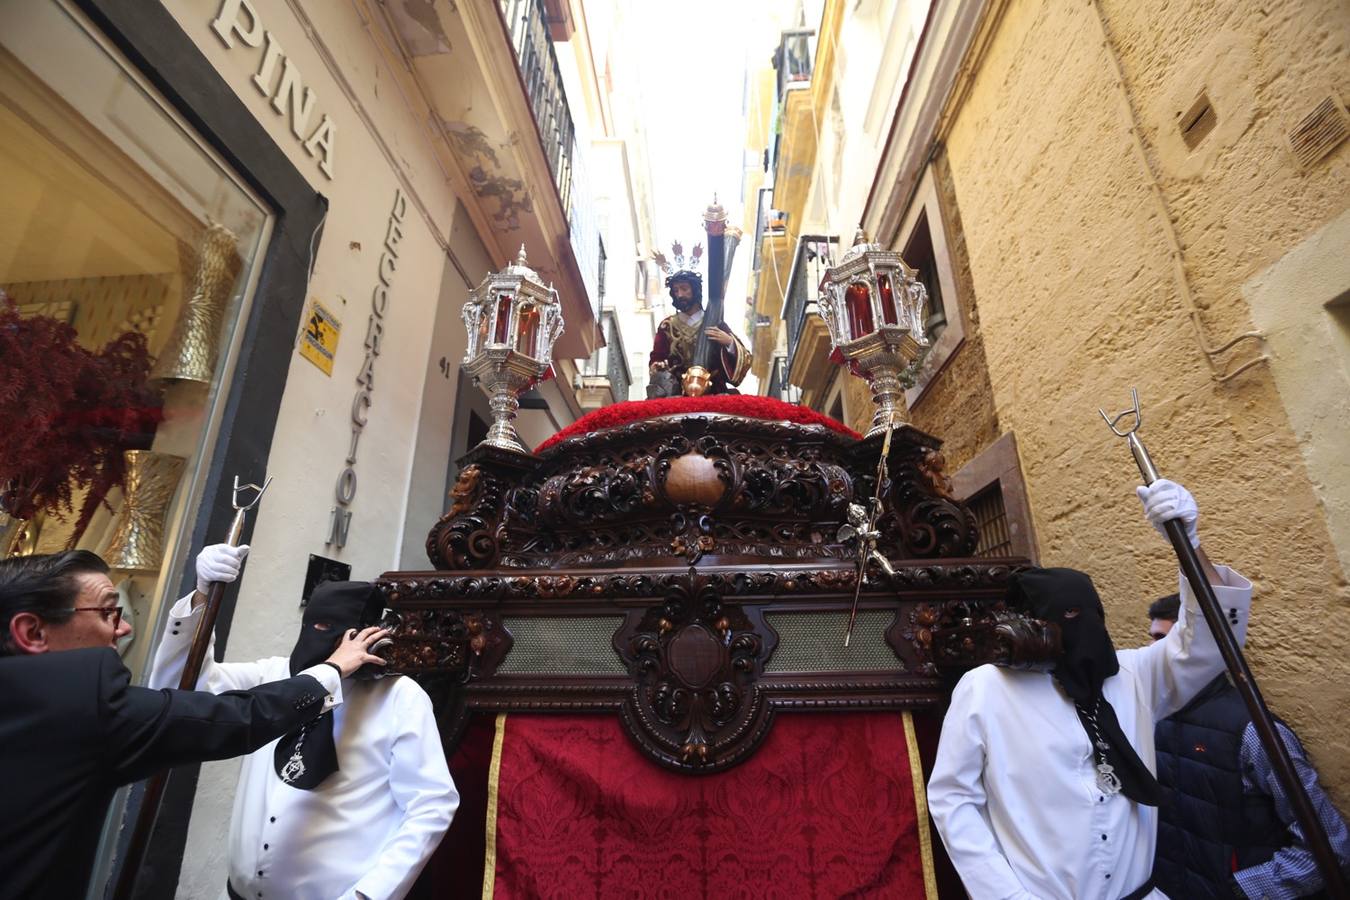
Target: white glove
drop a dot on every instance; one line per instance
(1164, 500)
(219, 563)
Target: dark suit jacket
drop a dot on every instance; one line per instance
(73, 729)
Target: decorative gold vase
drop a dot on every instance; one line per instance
(19, 537)
(209, 272)
(137, 543)
(695, 381)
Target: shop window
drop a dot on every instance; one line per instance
(126, 252)
(991, 485)
(922, 242)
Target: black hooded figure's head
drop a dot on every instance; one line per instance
(1067, 598)
(304, 757)
(694, 298)
(334, 608)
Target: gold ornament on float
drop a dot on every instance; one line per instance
(137, 543)
(209, 272)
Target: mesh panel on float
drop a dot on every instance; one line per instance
(553, 645)
(814, 642)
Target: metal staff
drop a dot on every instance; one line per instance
(201, 640)
(868, 534)
(1313, 832)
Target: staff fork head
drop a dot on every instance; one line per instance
(1130, 429)
(238, 489)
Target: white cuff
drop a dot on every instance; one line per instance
(183, 608)
(331, 680)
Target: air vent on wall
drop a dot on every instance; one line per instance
(1320, 132)
(1198, 121)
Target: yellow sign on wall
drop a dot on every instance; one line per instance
(319, 340)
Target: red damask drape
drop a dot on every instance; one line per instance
(565, 806)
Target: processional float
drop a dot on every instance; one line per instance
(693, 573)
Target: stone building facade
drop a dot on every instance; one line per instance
(1119, 195)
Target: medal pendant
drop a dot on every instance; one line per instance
(1107, 780)
(295, 767)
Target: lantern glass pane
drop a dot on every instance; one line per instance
(858, 304)
(889, 314)
(527, 333)
(503, 319)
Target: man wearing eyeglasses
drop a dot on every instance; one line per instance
(73, 728)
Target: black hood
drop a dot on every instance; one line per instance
(1067, 598)
(340, 606)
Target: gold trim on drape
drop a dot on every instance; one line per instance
(494, 773)
(920, 807)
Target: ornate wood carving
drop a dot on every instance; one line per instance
(449, 641)
(677, 544)
(695, 661)
(959, 634)
(694, 486)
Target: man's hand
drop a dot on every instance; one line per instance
(659, 366)
(720, 336)
(353, 652)
(1164, 500)
(217, 563)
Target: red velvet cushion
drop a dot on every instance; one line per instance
(753, 406)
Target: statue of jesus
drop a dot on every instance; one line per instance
(677, 336)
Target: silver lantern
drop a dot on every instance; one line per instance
(873, 304)
(513, 320)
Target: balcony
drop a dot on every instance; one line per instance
(527, 21)
(604, 378)
(779, 389)
(794, 58)
(489, 74)
(808, 340)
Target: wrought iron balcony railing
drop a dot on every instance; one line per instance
(527, 21)
(778, 383)
(610, 361)
(815, 253)
(795, 58)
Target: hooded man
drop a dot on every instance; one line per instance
(74, 728)
(350, 805)
(1044, 781)
(677, 336)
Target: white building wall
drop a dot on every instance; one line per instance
(381, 149)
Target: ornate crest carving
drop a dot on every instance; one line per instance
(695, 661)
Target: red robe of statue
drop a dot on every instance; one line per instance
(674, 345)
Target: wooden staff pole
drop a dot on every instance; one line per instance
(155, 785)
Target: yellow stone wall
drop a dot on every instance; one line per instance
(958, 405)
(1078, 301)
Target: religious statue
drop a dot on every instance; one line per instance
(677, 347)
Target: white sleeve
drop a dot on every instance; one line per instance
(1173, 670)
(172, 653)
(959, 805)
(420, 781)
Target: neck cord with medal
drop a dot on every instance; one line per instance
(295, 765)
(1107, 780)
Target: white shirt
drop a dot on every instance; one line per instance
(370, 827)
(692, 318)
(1014, 791)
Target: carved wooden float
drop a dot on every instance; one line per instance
(686, 573)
